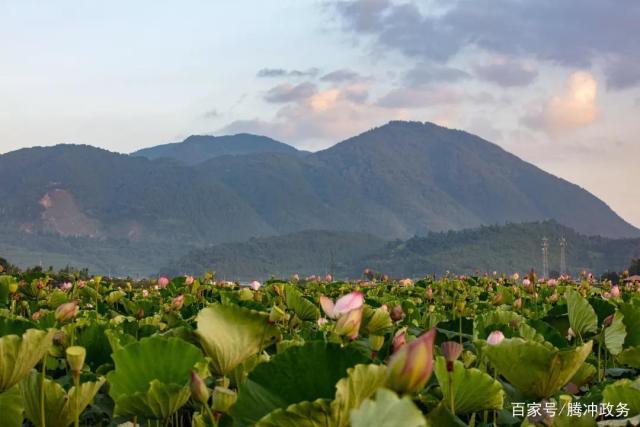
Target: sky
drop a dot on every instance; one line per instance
(555, 82)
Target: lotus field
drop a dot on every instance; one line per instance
(489, 350)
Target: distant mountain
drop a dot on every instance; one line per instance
(508, 248)
(396, 181)
(305, 252)
(198, 148)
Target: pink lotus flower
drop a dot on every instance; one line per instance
(188, 280)
(615, 291)
(526, 282)
(552, 282)
(411, 366)
(255, 285)
(343, 305)
(495, 338)
(145, 293)
(66, 311)
(322, 321)
(66, 286)
(163, 282)
(328, 278)
(81, 284)
(397, 313)
(406, 282)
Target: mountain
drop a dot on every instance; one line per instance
(397, 181)
(506, 248)
(198, 148)
(304, 252)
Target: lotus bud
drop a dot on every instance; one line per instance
(399, 339)
(397, 313)
(140, 313)
(322, 321)
(553, 298)
(75, 357)
(177, 303)
(37, 315)
(495, 338)
(376, 342)
(255, 285)
(328, 278)
(432, 308)
(607, 321)
(498, 298)
(188, 280)
(349, 324)
(410, 368)
(406, 282)
(570, 334)
(451, 350)
(223, 399)
(13, 287)
(245, 294)
(517, 304)
(429, 294)
(615, 291)
(66, 311)
(145, 293)
(163, 282)
(199, 390)
(276, 314)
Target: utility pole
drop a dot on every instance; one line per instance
(563, 255)
(545, 257)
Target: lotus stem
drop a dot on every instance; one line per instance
(43, 421)
(213, 419)
(460, 328)
(451, 393)
(76, 383)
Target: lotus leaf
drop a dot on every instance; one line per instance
(303, 414)
(473, 390)
(361, 383)
(615, 334)
(19, 354)
(302, 307)
(11, 407)
(59, 405)
(533, 368)
(387, 410)
(624, 391)
(145, 384)
(230, 334)
(582, 317)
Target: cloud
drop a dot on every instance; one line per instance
(288, 93)
(281, 72)
(211, 114)
(572, 33)
(506, 72)
(328, 115)
(574, 108)
(424, 73)
(341, 75)
(420, 97)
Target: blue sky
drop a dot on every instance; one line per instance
(557, 83)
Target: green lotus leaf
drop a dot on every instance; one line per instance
(624, 391)
(92, 337)
(631, 322)
(495, 317)
(361, 383)
(615, 334)
(5, 283)
(303, 414)
(303, 373)
(563, 419)
(582, 317)
(377, 321)
(550, 334)
(583, 375)
(19, 354)
(229, 334)
(630, 357)
(12, 407)
(302, 307)
(151, 377)
(59, 405)
(387, 410)
(534, 369)
(473, 390)
(14, 326)
(442, 416)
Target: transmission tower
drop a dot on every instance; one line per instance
(545, 257)
(563, 255)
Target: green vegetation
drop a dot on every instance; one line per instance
(205, 352)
